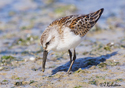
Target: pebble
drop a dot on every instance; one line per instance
(25, 59)
(32, 58)
(1, 68)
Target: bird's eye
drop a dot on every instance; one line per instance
(47, 43)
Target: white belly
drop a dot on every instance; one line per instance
(70, 40)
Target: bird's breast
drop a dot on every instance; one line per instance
(68, 40)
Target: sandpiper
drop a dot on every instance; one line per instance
(66, 33)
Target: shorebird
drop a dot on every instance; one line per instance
(66, 33)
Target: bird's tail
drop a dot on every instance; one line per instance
(95, 15)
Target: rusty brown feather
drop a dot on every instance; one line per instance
(79, 24)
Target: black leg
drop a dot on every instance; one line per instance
(70, 55)
(74, 57)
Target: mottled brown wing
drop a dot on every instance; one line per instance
(79, 24)
(64, 21)
(82, 24)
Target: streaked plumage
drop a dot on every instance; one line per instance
(67, 32)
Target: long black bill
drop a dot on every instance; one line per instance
(44, 60)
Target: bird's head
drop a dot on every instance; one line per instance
(49, 42)
(49, 39)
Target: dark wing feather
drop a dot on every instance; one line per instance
(79, 24)
(82, 24)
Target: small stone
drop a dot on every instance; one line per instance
(25, 59)
(110, 44)
(1, 68)
(25, 82)
(31, 39)
(32, 58)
